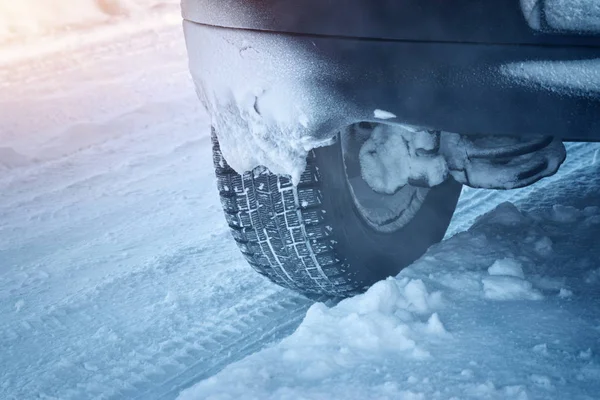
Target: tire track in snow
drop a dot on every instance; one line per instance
(123, 278)
(275, 318)
(173, 336)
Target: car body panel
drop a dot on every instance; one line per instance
(469, 21)
(471, 78)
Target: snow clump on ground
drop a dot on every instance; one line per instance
(497, 312)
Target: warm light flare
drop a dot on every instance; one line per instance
(37, 27)
(23, 19)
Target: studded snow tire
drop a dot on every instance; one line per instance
(311, 238)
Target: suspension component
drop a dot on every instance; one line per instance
(501, 162)
(393, 156)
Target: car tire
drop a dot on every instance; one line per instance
(312, 238)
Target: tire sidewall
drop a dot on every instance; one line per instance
(367, 254)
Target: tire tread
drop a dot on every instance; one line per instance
(281, 229)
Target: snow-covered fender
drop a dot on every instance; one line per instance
(282, 76)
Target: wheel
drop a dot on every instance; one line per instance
(332, 234)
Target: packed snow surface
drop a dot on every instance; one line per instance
(118, 276)
(119, 279)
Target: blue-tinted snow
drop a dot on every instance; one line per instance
(118, 278)
(506, 310)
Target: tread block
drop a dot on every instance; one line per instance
(325, 259)
(309, 197)
(312, 216)
(316, 232)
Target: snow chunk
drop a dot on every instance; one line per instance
(506, 282)
(509, 288)
(565, 293)
(380, 320)
(389, 159)
(435, 326)
(381, 114)
(390, 295)
(418, 299)
(265, 110)
(507, 267)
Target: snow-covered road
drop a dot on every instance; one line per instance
(118, 278)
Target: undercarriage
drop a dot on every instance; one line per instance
(392, 156)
